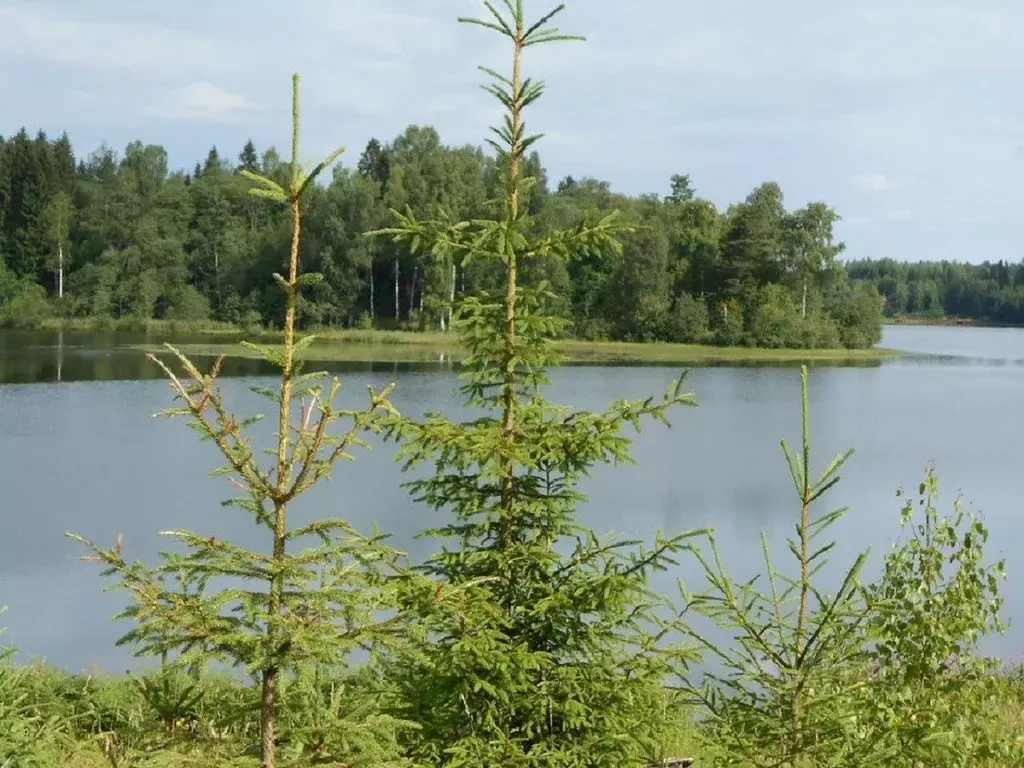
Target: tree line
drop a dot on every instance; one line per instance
(116, 236)
(990, 292)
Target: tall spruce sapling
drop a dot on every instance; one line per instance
(292, 607)
(560, 656)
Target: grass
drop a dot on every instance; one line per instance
(410, 346)
(137, 325)
(86, 720)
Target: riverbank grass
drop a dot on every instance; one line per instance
(410, 346)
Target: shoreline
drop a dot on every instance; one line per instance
(403, 346)
(386, 346)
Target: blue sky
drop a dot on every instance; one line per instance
(905, 115)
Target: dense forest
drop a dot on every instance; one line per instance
(988, 292)
(111, 237)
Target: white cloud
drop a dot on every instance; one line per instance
(202, 101)
(55, 34)
(871, 182)
(802, 95)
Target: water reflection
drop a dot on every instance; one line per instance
(38, 357)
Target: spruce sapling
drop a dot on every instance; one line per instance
(789, 691)
(293, 608)
(560, 655)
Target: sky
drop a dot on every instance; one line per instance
(906, 116)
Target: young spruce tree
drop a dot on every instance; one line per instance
(560, 658)
(293, 608)
(787, 692)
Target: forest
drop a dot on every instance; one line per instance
(992, 293)
(113, 236)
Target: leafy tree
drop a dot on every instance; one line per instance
(938, 598)
(558, 658)
(682, 189)
(754, 243)
(813, 252)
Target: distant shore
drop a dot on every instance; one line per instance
(409, 346)
(210, 339)
(944, 320)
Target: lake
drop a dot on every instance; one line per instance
(79, 451)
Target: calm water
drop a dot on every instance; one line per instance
(79, 451)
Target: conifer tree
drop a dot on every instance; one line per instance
(294, 608)
(559, 657)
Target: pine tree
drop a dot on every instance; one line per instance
(294, 610)
(561, 656)
(212, 163)
(248, 158)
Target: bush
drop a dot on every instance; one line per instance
(727, 325)
(935, 600)
(186, 303)
(776, 322)
(857, 310)
(687, 323)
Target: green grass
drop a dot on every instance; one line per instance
(409, 346)
(79, 717)
(138, 325)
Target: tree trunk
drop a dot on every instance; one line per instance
(371, 293)
(451, 298)
(397, 309)
(60, 270)
(216, 273)
(268, 718)
(803, 303)
(412, 288)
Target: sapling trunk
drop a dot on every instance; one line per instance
(270, 674)
(509, 395)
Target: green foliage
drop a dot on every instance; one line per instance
(288, 608)
(878, 675)
(23, 303)
(938, 598)
(338, 717)
(857, 311)
(990, 291)
(785, 694)
(688, 321)
(776, 320)
(24, 734)
(558, 654)
(137, 240)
